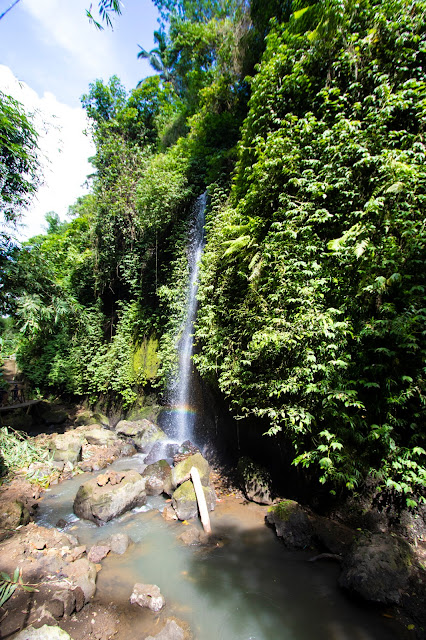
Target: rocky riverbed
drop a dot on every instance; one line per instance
(72, 580)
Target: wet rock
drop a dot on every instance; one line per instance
(43, 633)
(118, 543)
(143, 433)
(256, 481)
(184, 500)
(182, 471)
(67, 446)
(147, 595)
(292, 523)
(378, 568)
(98, 552)
(13, 514)
(103, 503)
(169, 513)
(162, 451)
(158, 478)
(170, 631)
(193, 536)
(61, 524)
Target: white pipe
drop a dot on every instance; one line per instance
(201, 499)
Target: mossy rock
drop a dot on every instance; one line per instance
(109, 495)
(143, 432)
(378, 568)
(292, 523)
(184, 500)
(145, 361)
(182, 471)
(256, 481)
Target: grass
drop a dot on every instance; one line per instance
(18, 450)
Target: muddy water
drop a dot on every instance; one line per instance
(246, 587)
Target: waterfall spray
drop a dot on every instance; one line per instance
(182, 419)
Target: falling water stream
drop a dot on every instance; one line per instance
(247, 586)
(179, 419)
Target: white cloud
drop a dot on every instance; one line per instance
(64, 150)
(65, 24)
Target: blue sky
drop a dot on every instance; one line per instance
(49, 53)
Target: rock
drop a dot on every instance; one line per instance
(61, 524)
(67, 446)
(102, 503)
(182, 471)
(256, 481)
(100, 437)
(162, 451)
(158, 478)
(57, 565)
(337, 538)
(54, 415)
(377, 568)
(292, 524)
(113, 477)
(84, 417)
(170, 631)
(43, 633)
(147, 595)
(193, 536)
(184, 500)
(12, 514)
(169, 513)
(143, 433)
(98, 553)
(82, 573)
(118, 543)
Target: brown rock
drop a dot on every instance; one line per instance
(98, 553)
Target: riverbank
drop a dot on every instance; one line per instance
(244, 566)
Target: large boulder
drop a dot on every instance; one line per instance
(292, 523)
(184, 500)
(147, 595)
(143, 433)
(378, 568)
(158, 478)
(256, 481)
(109, 495)
(66, 446)
(182, 471)
(98, 436)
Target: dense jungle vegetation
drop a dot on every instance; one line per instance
(305, 122)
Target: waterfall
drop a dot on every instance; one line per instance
(182, 416)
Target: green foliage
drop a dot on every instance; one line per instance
(19, 450)
(9, 584)
(313, 289)
(19, 165)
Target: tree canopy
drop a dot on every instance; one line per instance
(312, 294)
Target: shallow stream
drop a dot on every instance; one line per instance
(247, 587)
